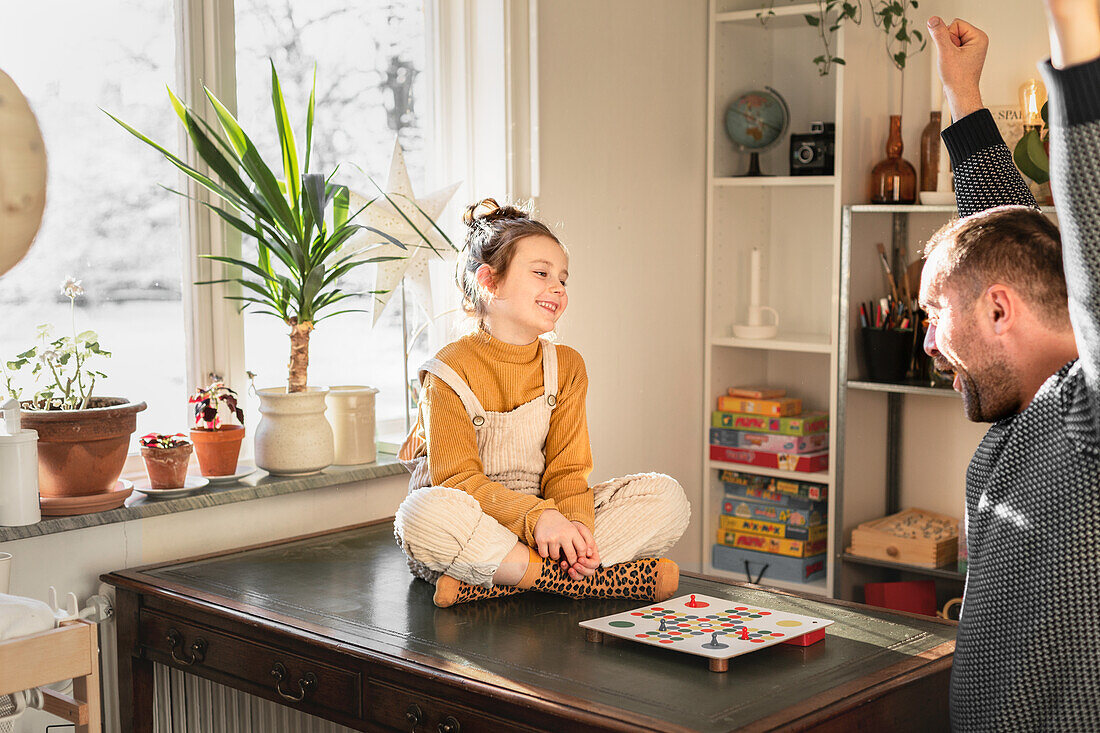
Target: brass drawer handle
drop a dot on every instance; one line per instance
(197, 649)
(414, 716)
(449, 724)
(305, 684)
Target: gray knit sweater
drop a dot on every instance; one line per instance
(1028, 651)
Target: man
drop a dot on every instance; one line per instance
(1023, 341)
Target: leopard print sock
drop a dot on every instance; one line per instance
(449, 591)
(649, 578)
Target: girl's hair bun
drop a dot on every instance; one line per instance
(488, 211)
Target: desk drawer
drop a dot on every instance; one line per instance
(403, 709)
(292, 679)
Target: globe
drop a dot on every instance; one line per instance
(757, 121)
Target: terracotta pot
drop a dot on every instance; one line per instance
(218, 450)
(167, 467)
(82, 452)
(293, 436)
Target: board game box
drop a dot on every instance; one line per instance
(804, 462)
(804, 424)
(788, 487)
(913, 536)
(757, 393)
(769, 441)
(773, 529)
(717, 629)
(779, 407)
(760, 565)
(772, 512)
(772, 545)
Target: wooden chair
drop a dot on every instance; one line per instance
(69, 651)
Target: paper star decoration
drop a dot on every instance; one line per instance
(413, 265)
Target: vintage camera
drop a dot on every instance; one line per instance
(812, 153)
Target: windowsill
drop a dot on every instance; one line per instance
(258, 485)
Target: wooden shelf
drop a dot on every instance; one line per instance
(773, 181)
(909, 387)
(945, 572)
(812, 343)
(821, 477)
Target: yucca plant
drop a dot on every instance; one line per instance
(300, 223)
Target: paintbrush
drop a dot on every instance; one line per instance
(886, 269)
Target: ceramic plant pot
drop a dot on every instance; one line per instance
(82, 452)
(293, 436)
(218, 450)
(167, 467)
(351, 414)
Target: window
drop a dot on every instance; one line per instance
(381, 68)
(106, 223)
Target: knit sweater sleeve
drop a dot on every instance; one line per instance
(1075, 164)
(985, 175)
(568, 450)
(454, 462)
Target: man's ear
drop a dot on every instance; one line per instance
(485, 279)
(1002, 308)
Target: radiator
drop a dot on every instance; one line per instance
(184, 703)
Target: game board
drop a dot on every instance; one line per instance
(715, 628)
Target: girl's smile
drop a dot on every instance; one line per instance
(530, 296)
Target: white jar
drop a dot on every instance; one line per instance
(293, 436)
(351, 414)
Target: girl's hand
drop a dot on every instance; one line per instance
(588, 561)
(556, 537)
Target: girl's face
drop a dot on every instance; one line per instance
(529, 298)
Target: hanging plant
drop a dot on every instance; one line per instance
(892, 16)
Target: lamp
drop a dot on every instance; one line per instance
(1033, 95)
(22, 175)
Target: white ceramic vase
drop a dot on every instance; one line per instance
(293, 436)
(351, 414)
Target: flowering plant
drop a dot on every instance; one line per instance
(161, 440)
(61, 364)
(206, 401)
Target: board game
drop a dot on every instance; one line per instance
(715, 628)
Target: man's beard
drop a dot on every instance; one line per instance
(989, 391)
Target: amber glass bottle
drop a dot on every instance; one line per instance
(930, 153)
(894, 180)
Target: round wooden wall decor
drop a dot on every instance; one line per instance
(22, 175)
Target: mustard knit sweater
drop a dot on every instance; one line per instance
(505, 376)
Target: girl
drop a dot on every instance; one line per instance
(499, 500)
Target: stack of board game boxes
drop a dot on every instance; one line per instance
(770, 528)
(763, 427)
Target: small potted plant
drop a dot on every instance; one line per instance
(83, 439)
(166, 458)
(217, 443)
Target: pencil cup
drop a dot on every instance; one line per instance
(886, 353)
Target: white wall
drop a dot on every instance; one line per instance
(622, 98)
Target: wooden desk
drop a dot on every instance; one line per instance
(340, 612)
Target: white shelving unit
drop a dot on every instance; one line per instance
(800, 253)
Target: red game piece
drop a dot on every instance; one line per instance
(745, 633)
(696, 604)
